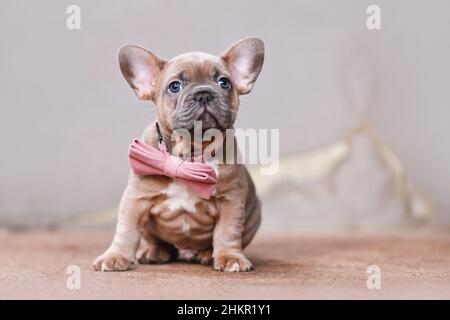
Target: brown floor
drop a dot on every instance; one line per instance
(413, 265)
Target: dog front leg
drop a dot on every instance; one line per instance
(122, 251)
(227, 239)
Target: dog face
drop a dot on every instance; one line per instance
(194, 86)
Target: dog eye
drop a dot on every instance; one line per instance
(224, 82)
(175, 86)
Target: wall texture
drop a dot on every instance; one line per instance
(67, 116)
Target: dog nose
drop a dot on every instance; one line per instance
(203, 96)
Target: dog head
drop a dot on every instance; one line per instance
(194, 86)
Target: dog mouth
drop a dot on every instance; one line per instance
(208, 118)
(204, 116)
(203, 123)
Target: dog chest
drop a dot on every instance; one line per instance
(182, 217)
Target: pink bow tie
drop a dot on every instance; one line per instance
(147, 160)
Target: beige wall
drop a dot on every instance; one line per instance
(67, 116)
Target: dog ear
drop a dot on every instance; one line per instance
(141, 68)
(245, 59)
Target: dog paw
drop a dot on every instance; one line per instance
(232, 262)
(155, 254)
(112, 262)
(204, 256)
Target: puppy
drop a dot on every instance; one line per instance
(160, 219)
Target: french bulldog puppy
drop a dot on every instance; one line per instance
(159, 218)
